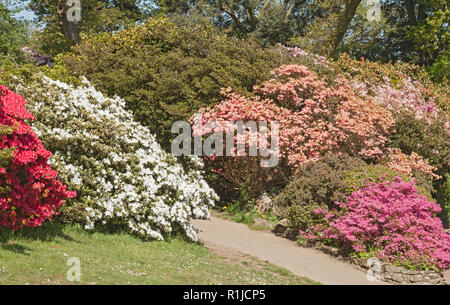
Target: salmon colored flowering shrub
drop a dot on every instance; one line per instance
(233, 173)
(326, 118)
(314, 117)
(389, 220)
(30, 192)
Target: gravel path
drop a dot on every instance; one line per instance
(279, 251)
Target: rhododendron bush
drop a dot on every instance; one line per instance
(314, 117)
(122, 176)
(29, 190)
(390, 220)
(392, 78)
(409, 96)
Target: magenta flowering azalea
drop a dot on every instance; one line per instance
(390, 220)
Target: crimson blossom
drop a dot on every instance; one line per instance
(29, 190)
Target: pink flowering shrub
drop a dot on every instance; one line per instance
(244, 170)
(298, 52)
(390, 220)
(30, 192)
(407, 96)
(409, 164)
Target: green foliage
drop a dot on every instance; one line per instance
(10, 71)
(430, 140)
(316, 185)
(242, 209)
(272, 28)
(13, 34)
(167, 72)
(443, 197)
(96, 16)
(318, 36)
(431, 39)
(441, 67)
(413, 31)
(364, 175)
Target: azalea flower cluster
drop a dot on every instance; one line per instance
(408, 164)
(29, 190)
(122, 176)
(296, 51)
(389, 220)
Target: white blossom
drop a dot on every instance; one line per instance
(114, 163)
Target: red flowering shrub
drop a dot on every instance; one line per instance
(30, 192)
(389, 220)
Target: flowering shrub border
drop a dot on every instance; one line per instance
(122, 176)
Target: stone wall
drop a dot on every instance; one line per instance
(400, 275)
(389, 273)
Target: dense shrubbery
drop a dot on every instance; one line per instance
(122, 177)
(10, 71)
(331, 179)
(361, 176)
(375, 74)
(314, 118)
(430, 140)
(315, 185)
(167, 72)
(29, 190)
(443, 197)
(389, 220)
(360, 141)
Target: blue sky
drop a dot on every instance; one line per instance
(26, 14)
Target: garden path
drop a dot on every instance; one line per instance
(279, 251)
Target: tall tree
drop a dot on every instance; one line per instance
(414, 31)
(344, 21)
(59, 33)
(13, 34)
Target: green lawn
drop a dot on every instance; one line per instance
(39, 256)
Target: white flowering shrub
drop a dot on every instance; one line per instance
(122, 177)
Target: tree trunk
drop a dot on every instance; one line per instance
(68, 28)
(412, 20)
(344, 22)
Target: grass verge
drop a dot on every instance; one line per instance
(40, 256)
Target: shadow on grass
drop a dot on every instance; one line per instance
(11, 240)
(16, 248)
